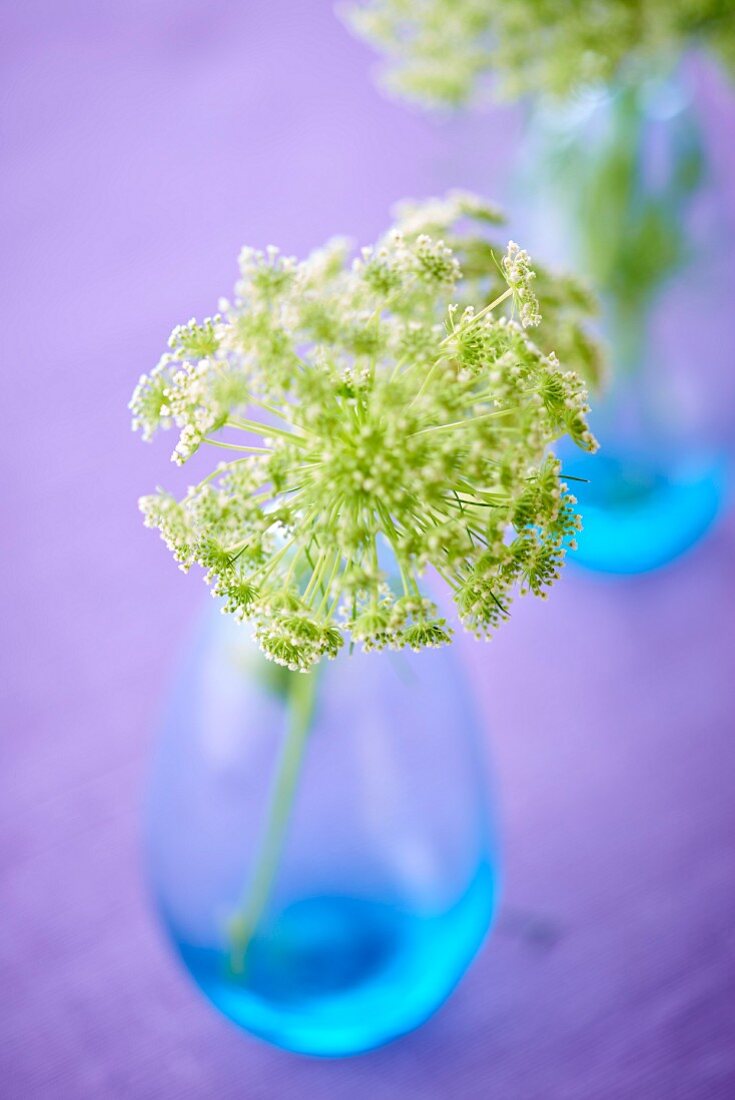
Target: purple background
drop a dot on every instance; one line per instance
(142, 144)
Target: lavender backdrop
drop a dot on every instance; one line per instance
(142, 143)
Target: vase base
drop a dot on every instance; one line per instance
(333, 976)
(639, 514)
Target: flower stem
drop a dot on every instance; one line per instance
(461, 328)
(237, 447)
(301, 699)
(455, 424)
(261, 428)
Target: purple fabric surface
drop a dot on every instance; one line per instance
(142, 144)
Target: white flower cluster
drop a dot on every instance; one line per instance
(195, 394)
(382, 405)
(520, 276)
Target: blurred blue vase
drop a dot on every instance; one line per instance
(321, 848)
(641, 508)
(637, 209)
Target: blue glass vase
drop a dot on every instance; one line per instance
(643, 507)
(321, 847)
(624, 191)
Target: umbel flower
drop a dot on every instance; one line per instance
(439, 51)
(381, 416)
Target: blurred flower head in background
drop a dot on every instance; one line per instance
(440, 53)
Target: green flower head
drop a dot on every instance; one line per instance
(439, 52)
(382, 415)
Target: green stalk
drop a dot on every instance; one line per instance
(461, 328)
(302, 696)
(455, 424)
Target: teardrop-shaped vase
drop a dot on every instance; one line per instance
(321, 847)
(629, 174)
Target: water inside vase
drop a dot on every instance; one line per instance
(640, 512)
(334, 975)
